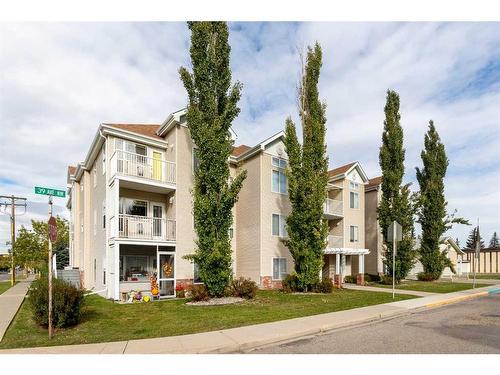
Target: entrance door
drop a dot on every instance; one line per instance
(166, 274)
(157, 164)
(158, 221)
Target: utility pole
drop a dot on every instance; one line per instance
(13, 204)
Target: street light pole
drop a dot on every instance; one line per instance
(12, 240)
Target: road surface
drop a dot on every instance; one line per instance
(467, 327)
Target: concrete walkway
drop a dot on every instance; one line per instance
(10, 301)
(244, 338)
(387, 290)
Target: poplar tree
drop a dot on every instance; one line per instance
(494, 242)
(212, 108)
(307, 177)
(432, 214)
(397, 201)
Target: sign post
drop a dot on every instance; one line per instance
(52, 232)
(394, 235)
(476, 253)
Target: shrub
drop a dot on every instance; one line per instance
(290, 283)
(199, 292)
(324, 286)
(426, 276)
(372, 278)
(350, 279)
(244, 288)
(67, 302)
(386, 280)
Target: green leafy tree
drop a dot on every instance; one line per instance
(471, 240)
(397, 203)
(432, 213)
(494, 242)
(307, 177)
(212, 108)
(32, 246)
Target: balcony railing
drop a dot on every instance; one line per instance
(335, 241)
(130, 164)
(146, 228)
(333, 207)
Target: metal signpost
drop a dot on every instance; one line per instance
(394, 235)
(52, 229)
(476, 253)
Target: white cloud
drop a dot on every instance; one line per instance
(59, 81)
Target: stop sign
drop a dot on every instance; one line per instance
(52, 229)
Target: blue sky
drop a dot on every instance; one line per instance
(59, 81)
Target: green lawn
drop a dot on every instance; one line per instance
(4, 285)
(430, 286)
(495, 276)
(107, 321)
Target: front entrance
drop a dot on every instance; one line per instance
(166, 273)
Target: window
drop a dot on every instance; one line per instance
(130, 147)
(104, 214)
(104, 160)
(136, 268)
(196, 274)
(353, 199)
(353, 185)
(104, 276)
(95, 222)
(196, 160)
(354, 233)
(279, 225)
(231, 233)
(133, 207)
(279, 179)
(94, 174)
(279, 268)
(95, 270)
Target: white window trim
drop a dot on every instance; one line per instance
(359, 197)
(354, 233)
(280, 219)
(279, 170)
(279, 270)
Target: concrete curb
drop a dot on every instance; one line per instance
(245, 338)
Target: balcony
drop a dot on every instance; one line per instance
(143, 167)
(335, 241)
(332, 208)
(145, 228)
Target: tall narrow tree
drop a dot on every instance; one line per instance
(308, 176)
(494, 242)
(212, 108)
(396, 203)
(432, 204)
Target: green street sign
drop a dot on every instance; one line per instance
(49, 191)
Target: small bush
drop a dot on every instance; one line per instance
(244, 288)
(372, 278)
(324, 286)
(350, 279)
(426, 276)
(290, 283)
(180, 290)
(67, 302)
(386, 280)
(199, 292)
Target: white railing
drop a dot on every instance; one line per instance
(130, 164)
(333, 207)
(147, 228)
(335, 241)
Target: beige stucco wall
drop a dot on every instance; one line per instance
(271, 203)
(248, 229)
(373, 235)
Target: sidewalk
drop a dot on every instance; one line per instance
(245, 338)
(387, 290)
(10, 301)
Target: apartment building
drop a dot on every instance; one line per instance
(130, 208)
(374, 237)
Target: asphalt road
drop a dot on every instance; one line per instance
(467, 327)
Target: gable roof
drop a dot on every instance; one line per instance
(149, 130)
(238, 150)
(373, 183)
(340, 170)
